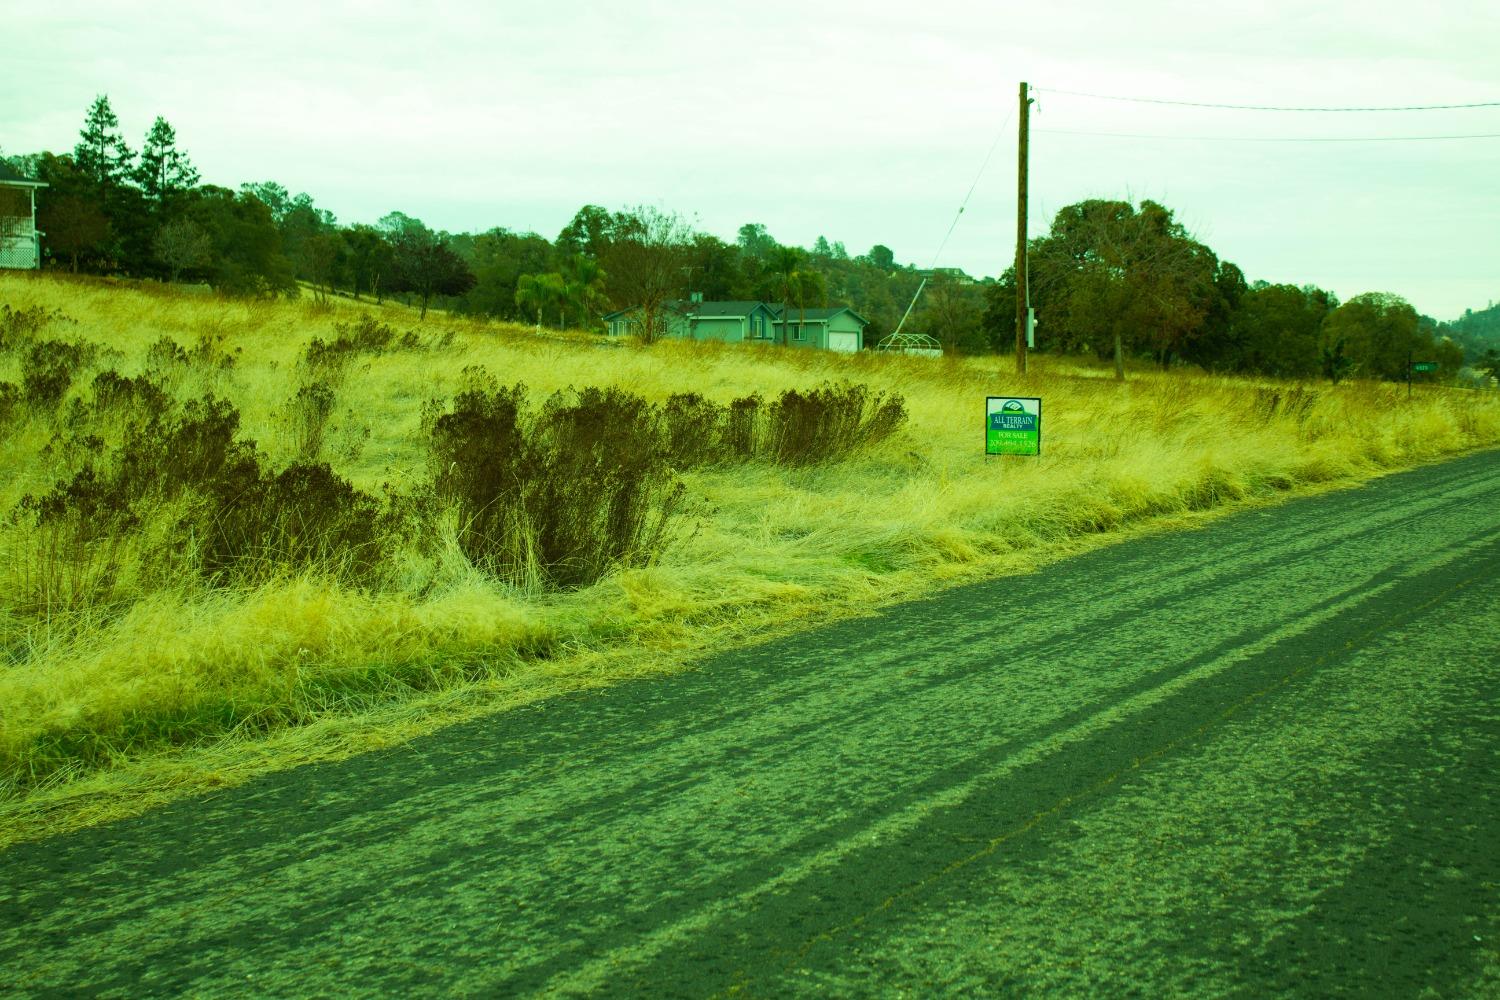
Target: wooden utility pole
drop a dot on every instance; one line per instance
(1023, 306)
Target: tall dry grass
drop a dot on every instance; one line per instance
(169, 659)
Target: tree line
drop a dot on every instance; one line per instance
(1121, 281)
(111, 210)
(1111, 278)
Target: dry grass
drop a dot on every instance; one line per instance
(175, 672)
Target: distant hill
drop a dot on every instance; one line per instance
(1478, 331)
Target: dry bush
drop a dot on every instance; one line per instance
(742, 433)
(694, 428)
(306, 419)
(1295, 402)
(19, 326)
(303, 516)
(823, 424)
(48, 370)
(10, 402)
(830, 422)
(560, 496)
(239, 520)
(328, 360)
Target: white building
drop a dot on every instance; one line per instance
(20, 243)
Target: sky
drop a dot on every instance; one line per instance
(862, 121)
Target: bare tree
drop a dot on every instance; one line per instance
(182, 244)
(322, 258)
(643, 264)
(952, 313)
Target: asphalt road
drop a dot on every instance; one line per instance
(1257, 759)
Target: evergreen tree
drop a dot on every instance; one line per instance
(163, 170)
(271, 194)
(102, 153)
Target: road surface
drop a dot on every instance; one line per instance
(1261, 758)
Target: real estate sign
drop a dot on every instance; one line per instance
(1012, 425)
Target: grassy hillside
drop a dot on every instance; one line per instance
(126, 663)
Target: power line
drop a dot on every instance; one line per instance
(1000, 134)
(1268, 107)
(1261, 138)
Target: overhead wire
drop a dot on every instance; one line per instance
(1299, 109)
(1263, 138)
(999, 135)
(1271, 107)
(1316, 109)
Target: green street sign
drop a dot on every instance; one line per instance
(1424, 366)
(1012, 425)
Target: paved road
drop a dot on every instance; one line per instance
(1255, 759)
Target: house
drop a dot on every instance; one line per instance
(838, 329)
(20, 243)
(694, 319)
(745, 321)
(951, 275)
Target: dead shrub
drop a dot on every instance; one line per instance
(694, 429)
(559, 496)
(49, 368)
(306, 515)
(328, 360)
(230, 517)
(19, 326)
(603, 492)
(306, 419)
(742, 429)
(10, 402)
(1293, 402)
(829, 422)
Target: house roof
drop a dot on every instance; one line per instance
(732, 307)
(9, 175)
(742, 307)
(820, 315)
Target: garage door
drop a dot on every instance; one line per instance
(847, 342)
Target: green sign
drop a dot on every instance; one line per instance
(1012, 425)
(1424, 366)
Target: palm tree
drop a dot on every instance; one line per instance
(783, 268)
(583, 287)
(539, 291)
(807, 285)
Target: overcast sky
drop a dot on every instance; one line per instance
(862, 121)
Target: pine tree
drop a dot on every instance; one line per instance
(164, 170)
(102, 153)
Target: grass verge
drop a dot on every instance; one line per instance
(157, 680)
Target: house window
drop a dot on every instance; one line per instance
(797, 332)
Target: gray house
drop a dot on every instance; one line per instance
(839, 329)
(20, 243)
(694, 319)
